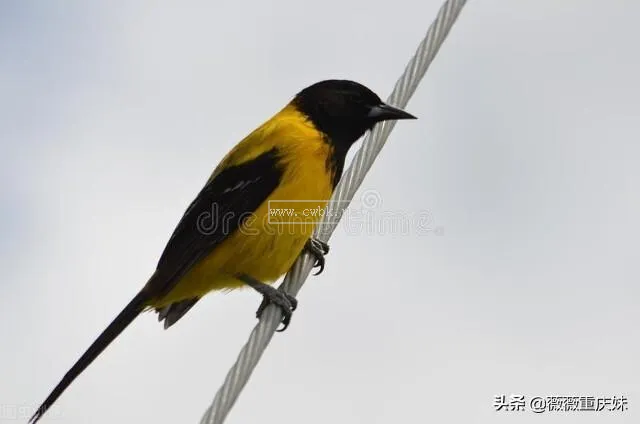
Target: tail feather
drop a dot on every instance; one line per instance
(122, 321)
(173, 312)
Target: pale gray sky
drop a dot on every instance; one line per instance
(525, 158)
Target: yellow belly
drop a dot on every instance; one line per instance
(266, 246)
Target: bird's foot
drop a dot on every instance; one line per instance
(270, 295)
(318, 249)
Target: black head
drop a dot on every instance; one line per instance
(344, 110)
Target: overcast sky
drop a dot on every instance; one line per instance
(524, 278)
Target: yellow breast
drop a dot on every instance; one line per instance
(268, 243)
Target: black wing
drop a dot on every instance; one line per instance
(218, 210)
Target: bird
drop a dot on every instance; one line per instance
(228, 238)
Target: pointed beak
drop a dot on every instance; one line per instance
(384, 112)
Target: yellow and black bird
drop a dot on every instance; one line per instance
(221, 241)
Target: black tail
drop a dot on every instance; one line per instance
(124, 318)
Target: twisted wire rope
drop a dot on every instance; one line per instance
(262, 333)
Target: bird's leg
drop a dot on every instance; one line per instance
(318, 249)
(286, 302)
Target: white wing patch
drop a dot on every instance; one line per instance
(240, 185)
